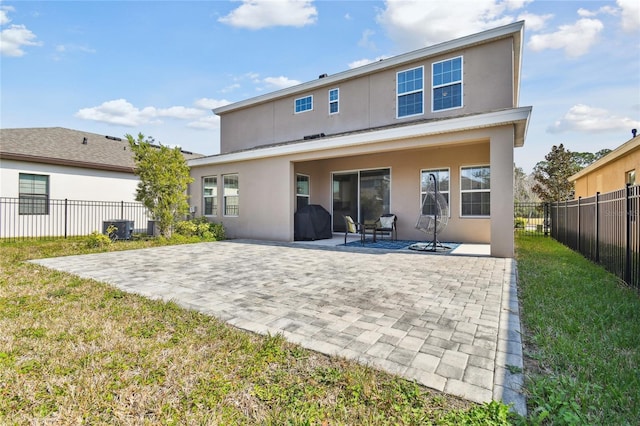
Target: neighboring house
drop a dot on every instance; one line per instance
(611, 172)
(39, 165)
(364, 141)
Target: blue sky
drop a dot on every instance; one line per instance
(158, 67)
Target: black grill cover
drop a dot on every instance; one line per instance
(312, 222)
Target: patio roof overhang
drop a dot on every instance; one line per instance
(518, 117)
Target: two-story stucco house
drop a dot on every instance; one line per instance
(364, 141)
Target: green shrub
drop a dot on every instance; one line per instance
(186, 228)
(98, 240)
(217, 231)
(200, 227)
(519, 222)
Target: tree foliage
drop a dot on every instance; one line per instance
(552, 175)
(164, 177)
(523, 187)
(583, 159)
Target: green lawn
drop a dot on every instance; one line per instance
(75, 351)
(582, 338)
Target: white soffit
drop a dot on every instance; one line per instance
(511, 116)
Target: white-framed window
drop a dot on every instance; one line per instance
(231, 195)
(33, 194)
(475, 191)
(210, 195)
(302, 191)
(304, 104)
(426, 185)
(410, 92)
(447, 84)
(334, 101)
(631, 177)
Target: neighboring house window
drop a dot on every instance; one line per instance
(231, 195)
(447, 84)
(334, 99)
(475, 191)
(304, 104)
(210, 194)
(33, 194)
(302, 191)
(426, 183)
(631, 177)
(410, 92)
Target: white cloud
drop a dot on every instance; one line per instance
(281, 82)
(4, 18)
(258, 14)
(14, 38)
(208, 103)
(534, 22)
(586, 119)
(210, 122)
(66, 48)
(607, 10)
(230, 88)
(363, 62)
(418, 23)
(630, 11)
(122, 112)
(365, 40)
(576, 39)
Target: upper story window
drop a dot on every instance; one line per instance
(334, 99)
(33, 194)
(475, 191)
(447, 84)
(304, 104)
(231, 195)
(410, 92)
(631, 177)
(210, 195)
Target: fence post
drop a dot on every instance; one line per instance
(597, 216)
(566, 220)
(121, 210)
(627, 260)
(579, 230)
(66, 217)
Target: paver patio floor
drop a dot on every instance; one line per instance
(448, 322)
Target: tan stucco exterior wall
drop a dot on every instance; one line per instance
(609, 177)
(369, 101)
(267, 186)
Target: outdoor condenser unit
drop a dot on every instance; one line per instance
(124, 231)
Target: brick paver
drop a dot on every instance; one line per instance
(449, 322)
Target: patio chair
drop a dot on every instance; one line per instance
(353, 227)
(386, 224)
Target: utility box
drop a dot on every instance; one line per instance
(124, 229)
(153, 228)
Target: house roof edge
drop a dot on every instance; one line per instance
(517, 116)
(515, 29)
(630, 145)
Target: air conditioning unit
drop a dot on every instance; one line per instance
(124, 228)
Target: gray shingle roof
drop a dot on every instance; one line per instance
(58, 145)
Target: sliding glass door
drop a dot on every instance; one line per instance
(364, 195)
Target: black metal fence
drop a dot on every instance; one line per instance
(67, 218)
(605, 228)
(532, 218)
